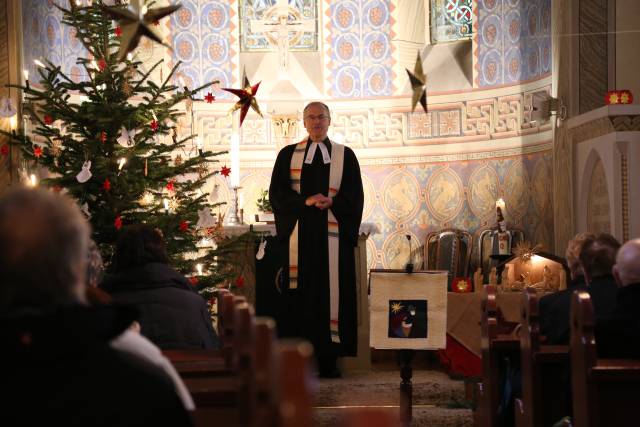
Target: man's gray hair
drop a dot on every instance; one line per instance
(43, 249)
(314, 103)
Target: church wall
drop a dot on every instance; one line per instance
(512, 41)
(627, 39)
(421, 172)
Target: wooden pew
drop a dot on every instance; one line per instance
(297, 384)
(544, 371)
(606, 392)
(496, 344)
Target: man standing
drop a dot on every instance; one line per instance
(317, 198)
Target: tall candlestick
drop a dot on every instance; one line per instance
(235, 160)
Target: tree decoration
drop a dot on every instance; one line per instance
(118, 31)
(154, 125)
(225, 171)
(525, 250)
(103, 137)
(135, 20)
(117, 223)
(6, 108)
(37, 152)
(184, 226)
(85, 174)
(106, 185)
(247, 97)
(126, 138)
(209, 98)
(102, 64)
(48, 120)
(4, 150)
(418, 81)
(239, 281)
(170, 186)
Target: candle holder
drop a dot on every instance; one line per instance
(233, 218)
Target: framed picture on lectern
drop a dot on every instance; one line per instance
(408, 310)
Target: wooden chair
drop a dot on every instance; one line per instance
(449, 249)
(605, 392)
(543, 369)
(496, 344)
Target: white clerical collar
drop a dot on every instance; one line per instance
(312, 152)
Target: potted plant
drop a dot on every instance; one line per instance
(265, 213)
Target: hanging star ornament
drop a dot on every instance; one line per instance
(418, 85)
(247, 97)
(136, 21)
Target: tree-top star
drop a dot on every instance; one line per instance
(136, 21)
(418, 81)
(247, 97)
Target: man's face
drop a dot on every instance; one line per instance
(317, 121)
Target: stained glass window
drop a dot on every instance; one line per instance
(450, 20)
(301, 22)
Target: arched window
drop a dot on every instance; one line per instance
(450, 20)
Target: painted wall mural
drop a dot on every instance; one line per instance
(359, 33)
(512, 41)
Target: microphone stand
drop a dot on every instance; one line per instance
(409, 267)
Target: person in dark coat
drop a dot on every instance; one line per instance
(317, 199)
(618, 333)
(173, 314)
(597, 257)
(554, 318)
(57, 367)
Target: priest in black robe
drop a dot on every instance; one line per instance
(304, 311)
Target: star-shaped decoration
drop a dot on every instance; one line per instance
(613, 98)
(396, 307)
(184, 225)
(136, 21)
(102, 64)
(106, 185)
(209, 98)
(225, 171)
(170, 186)
(247, 97)
(37, 152)
(118, 222)
(48, 120)
(193, 280)
(154, 125)
(418, 81)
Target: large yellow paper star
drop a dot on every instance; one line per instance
(135, 21)
(418, 85)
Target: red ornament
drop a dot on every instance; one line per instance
(37, 152)
(56, 188)
(225, 171)
(184, 226)
(103, 137)
(118, 222)
(154, 125)
(170, 186)
(118, 31)
(240, 281)
(193, 280)
(461, 284)
(614, 97)
(102, 64)
(106, 185)
(48, 120)
(4, 150)
(209, 98)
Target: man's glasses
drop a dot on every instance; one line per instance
(320, 117)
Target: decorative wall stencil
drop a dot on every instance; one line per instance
(203, 38)
(361, 54)
(513, 41)
(395, 250)
(598, 216)
(444, 194)
(369, 197)
(483, 191)
(541, 182)
(516, 190)
(401, 195)
(267, 12)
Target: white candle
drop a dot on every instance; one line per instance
(235, 160)
(199, 269)
(165, 202)
(500, 204)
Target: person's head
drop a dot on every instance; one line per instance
(572, 254)
(317, 119)
(598, 256)
(139, 244)
(627, 268)
(95, 267)
(43, 247)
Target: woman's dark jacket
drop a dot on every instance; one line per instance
(172, 314)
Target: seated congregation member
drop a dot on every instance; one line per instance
(57, 366)
(130, 341)
(618, 333)
(554, 318)
(597, 256)
(173, 314)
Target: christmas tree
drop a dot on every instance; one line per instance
(107, 140)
